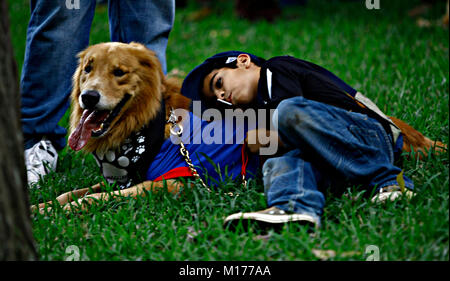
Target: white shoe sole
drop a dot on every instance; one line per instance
(391, 196)
(272, 218)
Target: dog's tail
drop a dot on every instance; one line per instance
(415, 141)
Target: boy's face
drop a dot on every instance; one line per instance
(238, 86)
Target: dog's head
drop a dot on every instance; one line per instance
(117, 88)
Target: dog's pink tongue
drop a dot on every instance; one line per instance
(82, 133)
(89, 121)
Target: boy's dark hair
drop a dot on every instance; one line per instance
(193, 83)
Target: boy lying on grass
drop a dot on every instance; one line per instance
(333, 135)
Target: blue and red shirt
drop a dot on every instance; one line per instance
(215, 148)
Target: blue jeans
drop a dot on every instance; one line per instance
(331, 148)
(57, 33)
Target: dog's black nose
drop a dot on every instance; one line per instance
(90, 98)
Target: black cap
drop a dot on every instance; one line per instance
(193, 83)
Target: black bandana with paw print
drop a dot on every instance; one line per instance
(127, 165)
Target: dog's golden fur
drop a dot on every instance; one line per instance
(414, 141)
(147, 85)
(144, 81)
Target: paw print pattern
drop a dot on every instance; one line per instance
(123, 161)
(124, 164)
(140, 149)
(110, 155)
(127, 148)
(100, 155)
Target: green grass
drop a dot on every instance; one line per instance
(403, 68)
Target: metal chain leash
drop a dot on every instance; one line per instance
(244, 181)
(177, 130)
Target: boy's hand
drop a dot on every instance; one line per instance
(263, 141)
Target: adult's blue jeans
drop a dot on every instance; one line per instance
(331, 149)
(57, 31)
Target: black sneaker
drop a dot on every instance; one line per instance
(271, 218)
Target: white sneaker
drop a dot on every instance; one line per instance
(40, 160)
(272, 217)
(391, 193)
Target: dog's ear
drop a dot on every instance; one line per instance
(146, 57)
(76, 76)
(148, 60)
(138, 46)
(76, 110)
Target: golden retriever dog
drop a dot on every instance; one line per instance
(120, 102)
(117, 89)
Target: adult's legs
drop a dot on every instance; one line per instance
(147, 22)
(57, 31)
(55, 35)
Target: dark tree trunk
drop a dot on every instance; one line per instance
(16, 239)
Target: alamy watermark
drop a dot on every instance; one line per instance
(373, 4)
(73, 4)
(229, 127)
(73, 253)
(373, 253)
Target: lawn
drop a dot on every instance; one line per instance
(383, 53)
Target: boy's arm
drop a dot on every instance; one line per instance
(264, 142)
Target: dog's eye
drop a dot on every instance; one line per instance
(118, 72)
(88, 68)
